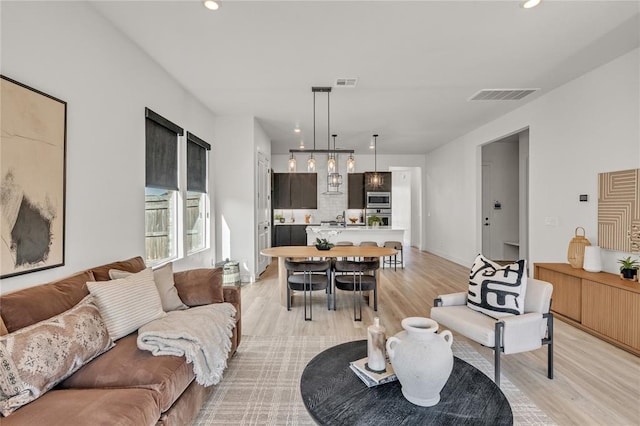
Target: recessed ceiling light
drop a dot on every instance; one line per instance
(301, 144)
(528, 4)
(211, 4)
(297, 130)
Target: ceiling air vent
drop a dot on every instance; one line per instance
(346, 82)
(501, 94)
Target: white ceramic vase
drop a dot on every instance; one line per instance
(592, 259)
(422, 360)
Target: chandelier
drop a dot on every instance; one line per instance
(334, 179)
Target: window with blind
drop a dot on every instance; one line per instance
(196, 216)
(161, 187)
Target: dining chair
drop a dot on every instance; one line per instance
(393, 259)
(308, 276)
(355, 278)
(368, 244)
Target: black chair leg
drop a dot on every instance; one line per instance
(375, 298)
(497, 349)
(550, 348)
(304, 285)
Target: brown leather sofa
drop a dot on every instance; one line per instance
(123, 386)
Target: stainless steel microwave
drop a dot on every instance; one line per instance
(378, 200)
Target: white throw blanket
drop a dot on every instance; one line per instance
(201, 334)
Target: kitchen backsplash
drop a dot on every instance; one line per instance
(316, 216)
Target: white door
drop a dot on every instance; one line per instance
(263, 208)
(487, 212)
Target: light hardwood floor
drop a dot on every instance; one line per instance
(595, 383)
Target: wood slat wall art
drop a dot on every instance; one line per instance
(619, 210)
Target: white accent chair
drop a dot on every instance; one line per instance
(511, 334)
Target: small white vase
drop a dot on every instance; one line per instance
(592, 259)
(421, 359)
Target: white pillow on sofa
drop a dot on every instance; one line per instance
(163, 277)
(497, 290)
(127, 303)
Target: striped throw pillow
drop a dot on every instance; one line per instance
(128, 303)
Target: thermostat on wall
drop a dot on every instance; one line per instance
(584, 197)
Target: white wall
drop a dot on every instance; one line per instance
(235, 173)
(587, 126)
(67, 50)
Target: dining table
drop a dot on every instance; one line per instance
(284, 252)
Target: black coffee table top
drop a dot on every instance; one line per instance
(334, 395)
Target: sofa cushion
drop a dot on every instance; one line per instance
(163, 277)
(200, 286)
(3, 328)
(473, 324)
(37, 357)
(34, 304)
(497, 290)
(89, 407)
(128, 303)
(125, 366)
(135, 264)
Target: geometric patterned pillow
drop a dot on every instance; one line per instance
(36, 358)
(497, 290)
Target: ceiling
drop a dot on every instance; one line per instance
(417, 62)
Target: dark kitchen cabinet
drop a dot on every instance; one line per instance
(290, 235)
(304, 191)
(281, 191)
(298, 235)
(355, 199)
(295, 191)
(386, 182)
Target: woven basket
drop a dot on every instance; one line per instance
(575, 254)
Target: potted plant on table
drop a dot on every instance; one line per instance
(629, 268)
(323, 244)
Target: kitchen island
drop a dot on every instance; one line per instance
(355, 234)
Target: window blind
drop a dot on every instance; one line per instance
(196, 163)
(161, 151)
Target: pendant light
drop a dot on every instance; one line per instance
(331, 158)
(351, 164)
(375, 179)
(292, 163)
(311, 162)
(334, 179)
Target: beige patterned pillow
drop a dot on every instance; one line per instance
(126, 304)
(36, 358)
(163, 277)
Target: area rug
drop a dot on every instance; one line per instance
(261, 386)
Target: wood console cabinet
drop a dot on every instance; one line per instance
(600, 303)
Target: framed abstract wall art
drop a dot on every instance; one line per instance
(32, 179)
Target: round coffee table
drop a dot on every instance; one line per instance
(334, 395)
